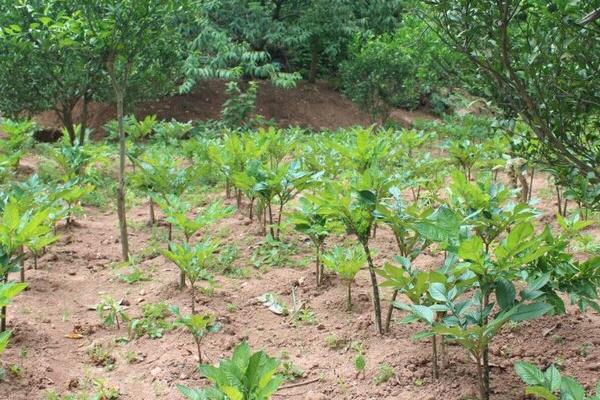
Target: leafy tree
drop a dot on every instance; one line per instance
(516, 66)
(50, 63)
(140, 43)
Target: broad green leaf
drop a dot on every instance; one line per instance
(529, 373)
(571, 390)
(526, 312)
(423, 312)
(505, 293)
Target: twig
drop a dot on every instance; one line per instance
(293, 385)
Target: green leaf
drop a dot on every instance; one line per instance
(423, 312)
(553, 378)
(571, 390)
(505, 293)
(437, 291)
(472, 250)
(4, 336)
(541, 392)
(526, 312)
(529, 373)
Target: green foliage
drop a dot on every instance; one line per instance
(198, 325)
(239, 105)
(550, 385)
(192, 260)
(153, 322)
(245, 375)
(515, 66)
(111, 312)
(19, 139)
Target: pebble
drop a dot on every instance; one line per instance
(315, 396)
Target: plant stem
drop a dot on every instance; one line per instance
(318, 266)
(152, 214)
(349, 300)
(388, 318)
(434, 358)
(376, 299)
(198, 347)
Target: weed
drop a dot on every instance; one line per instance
(100, 356)
(290, 371)
(153, 322)
(384, 374)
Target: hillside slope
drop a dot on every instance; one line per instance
(308, 105)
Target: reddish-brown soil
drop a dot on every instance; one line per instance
(76, 272)
(308, 105)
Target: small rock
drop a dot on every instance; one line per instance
(156, 372)
(72, 272)
(315, 396)
(321, 327)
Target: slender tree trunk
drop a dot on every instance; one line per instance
(388, 318)
(121, 188)
(84, 118)
(314, 61)
(559, 200)
(376, 299)
(35, 260)
(120, 98)
(532, 174)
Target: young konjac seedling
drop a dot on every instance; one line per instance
(193, 261)
(199, 325)
(308, 220)
(111, 312)
(244, 376)
(346, 262)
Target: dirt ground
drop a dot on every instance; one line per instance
(317, 106)
(76, 272)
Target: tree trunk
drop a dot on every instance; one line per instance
(483, 393)
(314, 62)
(121, 188)
(84, 118)
(376, 299)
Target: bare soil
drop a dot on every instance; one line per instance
(75, 273)
(317, 106)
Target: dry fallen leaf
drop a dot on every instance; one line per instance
(74, 335)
